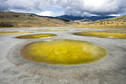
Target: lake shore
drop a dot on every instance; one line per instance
(16, 70)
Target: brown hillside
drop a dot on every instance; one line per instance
(117, 22)
(11, 19)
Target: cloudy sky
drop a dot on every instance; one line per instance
(69, 7)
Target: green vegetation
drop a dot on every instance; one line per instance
(34, 36)
(104, 34)
(66, 52)
(6, 24)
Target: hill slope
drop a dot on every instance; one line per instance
(11, 19)
(116, 22)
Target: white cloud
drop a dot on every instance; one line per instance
(114, 15)
(50, 13)
(98, 7)
(71, 7)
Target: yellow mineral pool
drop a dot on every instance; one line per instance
(35, 36)
(65, 52)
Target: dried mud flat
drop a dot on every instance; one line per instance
(16, 70)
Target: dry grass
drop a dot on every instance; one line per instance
(102, 26)
(63, 52)
(10, 19)
(117, 22)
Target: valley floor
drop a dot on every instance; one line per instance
(16, 70)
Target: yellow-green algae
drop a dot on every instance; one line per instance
(103, 34)
(11, 32)
(34, 36)
(54, 30)
(66, 52)
(119, 31)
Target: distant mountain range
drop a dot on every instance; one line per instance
(12, 19)
(93, 18)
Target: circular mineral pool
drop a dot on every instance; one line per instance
(34, 36)
(65, 52)
(12, 32)
(117, 34)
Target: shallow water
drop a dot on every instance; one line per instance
(66, 52)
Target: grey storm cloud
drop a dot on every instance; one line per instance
(3, 5)
(71, 7)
